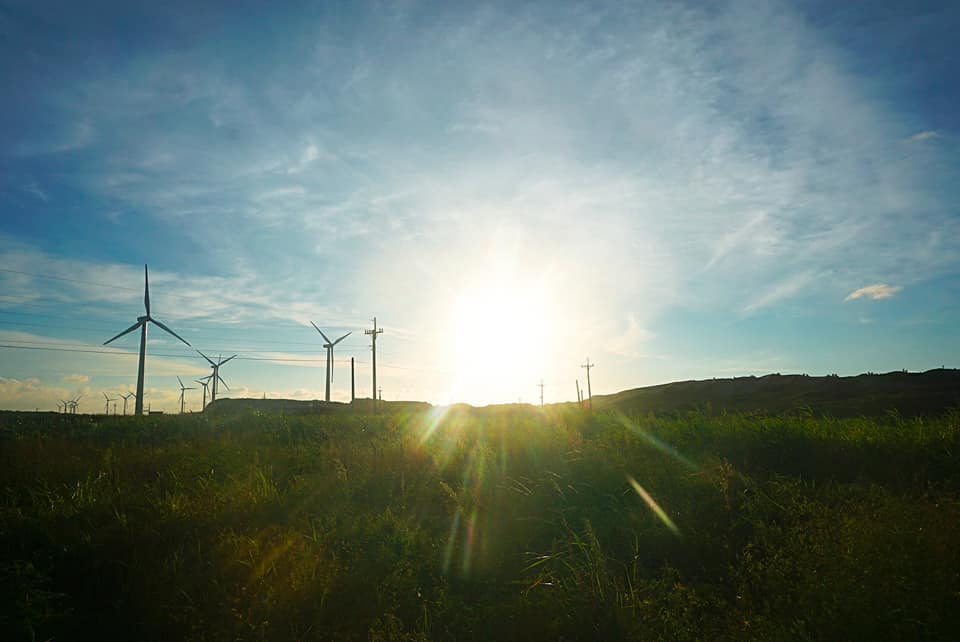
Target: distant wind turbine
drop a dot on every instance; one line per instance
(142, 324)
(204, 381)
(106, 409)
(75, 403)
(217, 379)
(64, 404)
(329, 346)
(125, 397)
(183, 389)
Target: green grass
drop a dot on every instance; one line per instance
(504, 524)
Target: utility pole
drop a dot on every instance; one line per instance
(589, 365)
(353, 385)
(373, 335)
(579, 400)
(541, 393)
(380, 396)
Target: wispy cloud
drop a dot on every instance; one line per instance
(631, 341)
(34, 188)
(783, 289)
(875, 292)
(76, 378)
(924, 135)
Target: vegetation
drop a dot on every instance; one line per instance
(911, 394)
(502, 523)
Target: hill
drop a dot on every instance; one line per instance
(909, 393)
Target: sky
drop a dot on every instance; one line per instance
(672, 190)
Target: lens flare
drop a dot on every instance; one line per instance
(451, 542)
(654, 506)
(663, 447)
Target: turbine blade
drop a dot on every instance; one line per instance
(212, 364)
(225, 360)
(342, 338)
(106, 397)
(223, 382)
(170, 331)
(127, 331)
(180, 382)
(320, 331)
(146, 289)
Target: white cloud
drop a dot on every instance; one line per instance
(875, 292)
(76, 378)
(310, 154)
(280, 193)
(629, 343)
(924, 135)
(786, 288)
(34, 188)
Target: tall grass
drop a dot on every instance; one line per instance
(500, 524)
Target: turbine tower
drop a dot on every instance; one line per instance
(142, 324)
(183, 389)
(64, 403)
(204, 381)
(329, 346)
(74, 404)
(216, 374)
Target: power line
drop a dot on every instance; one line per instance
(190, 356)
(62, 278)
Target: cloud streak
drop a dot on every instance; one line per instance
(876, 292)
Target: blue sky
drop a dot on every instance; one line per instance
(676, 190)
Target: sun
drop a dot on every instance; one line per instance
(497, 341)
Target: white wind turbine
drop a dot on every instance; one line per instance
(329, 346)
(204, 381)
(106, 409)
(183, 389)
(126, 396)
(142, 324)
(217, 379)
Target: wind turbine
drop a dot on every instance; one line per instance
(64, 403)
(106, 410)
(216, 374)
(204, 381)
(142, 324)
(125, 397)
(75, 403)
(329, 346)
(183, 389)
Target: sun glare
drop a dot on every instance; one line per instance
(498, 338)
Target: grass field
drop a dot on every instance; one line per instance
(495, 524)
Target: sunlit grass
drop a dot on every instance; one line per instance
(509, 523)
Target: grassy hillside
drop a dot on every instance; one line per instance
(505, 523)
(910, 394)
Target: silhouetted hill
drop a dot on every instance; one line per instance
(909, 393)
